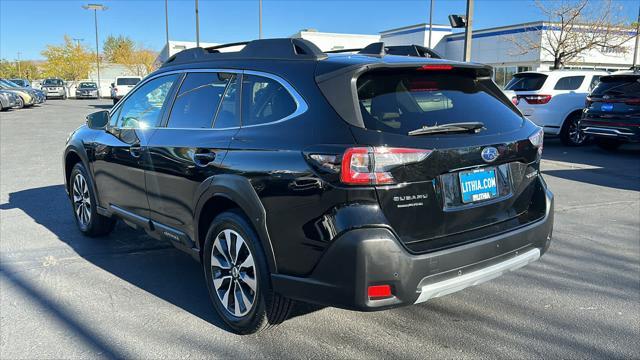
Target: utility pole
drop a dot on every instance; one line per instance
(468, 31)
(19, 71)
(166, 23)
(77, 41)
(260, 19)
(430, 21)
(197, 26)
(95, 8)
(635, 50)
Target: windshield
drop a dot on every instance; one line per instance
(56, 82)
(526, 82)
(399, 102)
(88, 85)
(618, 85)
(9, 83)
(127, 81)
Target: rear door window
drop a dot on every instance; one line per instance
(399, 102)
(526, 82)
(569, 83)
(264, 100)
(198, 100)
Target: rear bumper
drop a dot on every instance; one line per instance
(373, 256)
(612, 132)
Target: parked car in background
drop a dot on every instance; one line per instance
(8, 100)
(21, 82)
(365, 182)
(612, 110)
(54, 88)
(87, 90)
(26, 97)
(122, 85)
(554, 99)
(38, 95)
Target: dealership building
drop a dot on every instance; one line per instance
(493, 46)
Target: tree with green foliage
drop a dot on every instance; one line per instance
(118, 49)
(26, 69)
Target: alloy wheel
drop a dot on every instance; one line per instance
(233, 272)
(575, 134)
(81, 200)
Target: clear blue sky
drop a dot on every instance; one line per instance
(26, 26)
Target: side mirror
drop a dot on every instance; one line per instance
(98, 120)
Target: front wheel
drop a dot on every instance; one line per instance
(20, 103)
(570, 134)
(238, 277)
(84, 203)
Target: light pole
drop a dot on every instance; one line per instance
(166, 22)
(430, 21)
(19, 71)
(95, 8)
(197, 26)
(468, 31)
(635, 50)
(260, 19)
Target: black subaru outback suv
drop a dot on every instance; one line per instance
(364, 181)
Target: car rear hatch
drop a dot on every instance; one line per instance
(440, 187)
(614, 102)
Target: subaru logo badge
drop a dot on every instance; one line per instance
(489, 154)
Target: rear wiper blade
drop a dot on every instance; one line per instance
(472, 127)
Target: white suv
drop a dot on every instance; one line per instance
(554, 99)
(122, 85)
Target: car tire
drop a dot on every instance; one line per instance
(239, 285)
(570, 134)
(609, 144)
(20, 103)
(64, 97)
(83, 202)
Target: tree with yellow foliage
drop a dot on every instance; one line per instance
(69, 61)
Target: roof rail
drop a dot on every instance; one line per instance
(380, 49)
(276, 49)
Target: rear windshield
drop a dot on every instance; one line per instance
(127, 81)
(88, 85)
(399, 102)
(526, 82)
(52, 82)
(618, 85)
(19, 82)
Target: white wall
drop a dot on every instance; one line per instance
(335, 41)
(415, 35)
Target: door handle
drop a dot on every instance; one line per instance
(203, 159)
(135, 150)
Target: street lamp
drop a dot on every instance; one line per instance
(466, 22)
(95, 8)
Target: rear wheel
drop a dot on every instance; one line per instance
(20, 103)
(609, 144)
(84, 203)
(570, 134)
(238, 277)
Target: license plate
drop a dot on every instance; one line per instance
(478, 185)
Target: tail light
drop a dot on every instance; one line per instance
(435, 67)
(634, 101)
(537, 140)
(379, 292)
(515, 100)
(537, 99)
(372, 165)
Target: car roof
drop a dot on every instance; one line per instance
(565, 72)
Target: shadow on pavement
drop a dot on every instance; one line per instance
(102, 106)
(152, 265)
(589, 164)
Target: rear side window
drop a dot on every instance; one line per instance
(569, 83)
(52, 82)
(127, 81)
(526, 82)
(618, 86)
(399, 102)
(264, 100)
(594, 82)
(197, 102)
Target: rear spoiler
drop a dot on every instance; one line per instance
(380, 49)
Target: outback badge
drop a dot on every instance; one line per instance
(489, 154)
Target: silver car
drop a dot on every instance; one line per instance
(7, 100)
(54, 88)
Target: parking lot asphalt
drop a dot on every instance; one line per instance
(128, 296)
